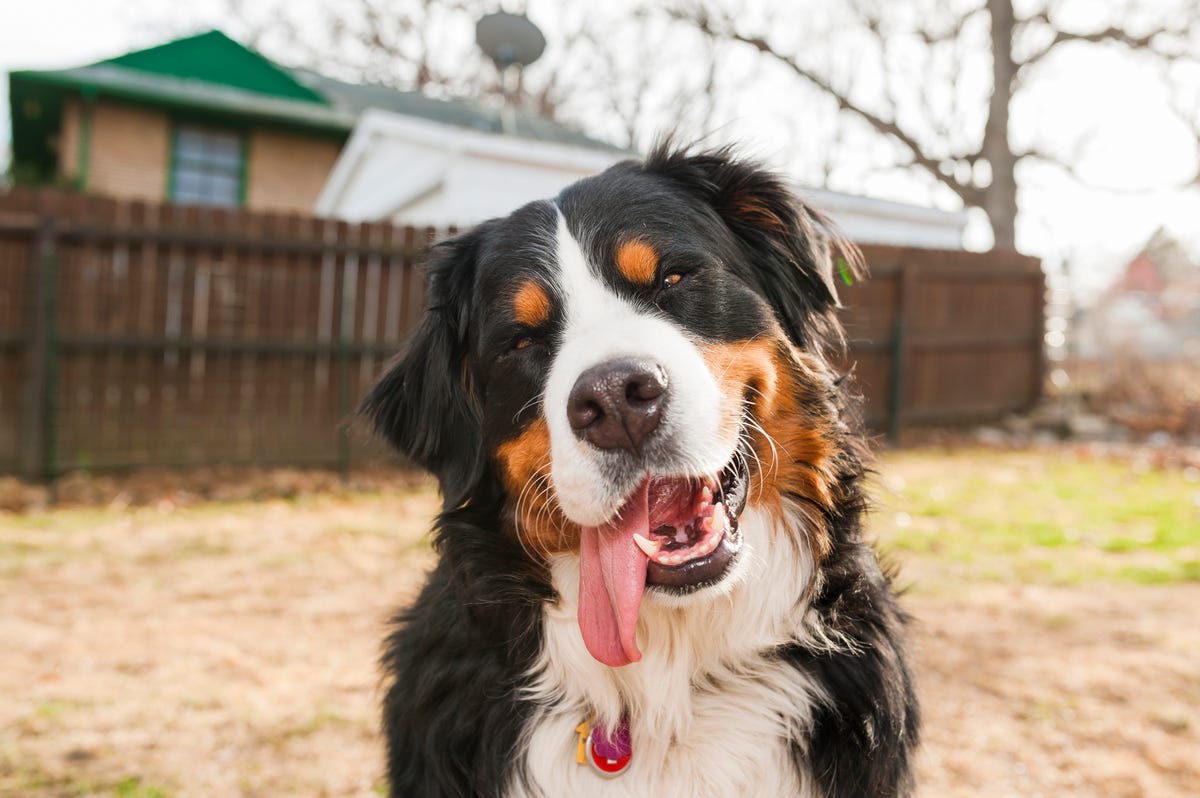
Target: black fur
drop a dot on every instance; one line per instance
(454, 712)
(864, 738)
(453, 715)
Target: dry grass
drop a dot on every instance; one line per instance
(229, 648)
(224, 649)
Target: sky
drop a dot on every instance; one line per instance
(1131, 144)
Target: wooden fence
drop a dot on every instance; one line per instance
(943, 337)
(135, 334)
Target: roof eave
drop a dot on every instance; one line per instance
(189, 95)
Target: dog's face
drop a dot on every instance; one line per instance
(628, 367)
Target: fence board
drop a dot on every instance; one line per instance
(184, 336)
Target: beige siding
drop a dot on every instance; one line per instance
(285, 172)
(130, 150)
(68, 142)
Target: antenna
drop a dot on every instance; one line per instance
(511, 41)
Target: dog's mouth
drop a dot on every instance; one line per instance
(673, 534)
(694, 536)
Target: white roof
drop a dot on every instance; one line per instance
(866, 220)
(418, 171)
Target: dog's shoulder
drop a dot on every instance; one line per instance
(453, 662)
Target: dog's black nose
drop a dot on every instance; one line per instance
(618, 404)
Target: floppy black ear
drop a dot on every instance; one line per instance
(424, 404)
(797, 255)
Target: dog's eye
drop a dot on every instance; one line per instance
(523, 343)
(672, 279)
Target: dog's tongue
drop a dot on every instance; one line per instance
(612, 577)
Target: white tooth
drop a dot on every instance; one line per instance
(718, 518)
(649, 547)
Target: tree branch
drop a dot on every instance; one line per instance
(920, 158)
(1148, 41)
(1072, 169)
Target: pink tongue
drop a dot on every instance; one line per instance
(612, 576)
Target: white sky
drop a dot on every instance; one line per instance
(1133, 143)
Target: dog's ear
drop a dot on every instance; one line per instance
(797, 256)
(424, 404)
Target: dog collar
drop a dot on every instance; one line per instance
(608, 753)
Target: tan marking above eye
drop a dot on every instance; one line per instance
(638, 261)
(531, 304)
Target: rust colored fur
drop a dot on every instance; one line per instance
(638, 261)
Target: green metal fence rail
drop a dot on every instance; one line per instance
(136, 334)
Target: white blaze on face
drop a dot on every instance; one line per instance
(600, 326)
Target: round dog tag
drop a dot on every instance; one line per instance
(610, 756)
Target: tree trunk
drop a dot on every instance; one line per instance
(1000, 198)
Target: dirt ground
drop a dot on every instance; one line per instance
(228, 649)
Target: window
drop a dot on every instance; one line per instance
(207, 166)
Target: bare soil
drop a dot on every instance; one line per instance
(230, 650)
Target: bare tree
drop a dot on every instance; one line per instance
(930, 82)
(605, 69)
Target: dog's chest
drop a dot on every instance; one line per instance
(711, 711)
(725, 751)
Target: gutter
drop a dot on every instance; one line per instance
(180, 93)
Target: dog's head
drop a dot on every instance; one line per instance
(629, 367)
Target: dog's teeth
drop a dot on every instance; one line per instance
(649, 547)
(717, 523)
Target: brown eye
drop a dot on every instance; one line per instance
(522, 343)
(671, 279)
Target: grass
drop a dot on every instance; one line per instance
(133, 787)
(1044, 517)
(229, 647)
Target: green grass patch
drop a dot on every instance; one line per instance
(134, 787)
(1038, 516)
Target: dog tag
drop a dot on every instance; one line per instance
(609, 755)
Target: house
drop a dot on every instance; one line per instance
(867, 220)
(452, 176)
(205, 120)
(1152, 308)
(462, 176)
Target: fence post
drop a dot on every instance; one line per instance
(346, 320)
(41, 356)
(905, 293)
(1039, 343)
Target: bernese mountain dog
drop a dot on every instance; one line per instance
(652, 576)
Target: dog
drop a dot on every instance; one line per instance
(652, 576)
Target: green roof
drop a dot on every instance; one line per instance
(213, 57)
(213, 77)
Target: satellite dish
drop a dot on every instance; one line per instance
(509, 39)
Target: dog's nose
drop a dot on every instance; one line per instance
(618, 404)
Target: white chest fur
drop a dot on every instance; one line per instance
(710, 710)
